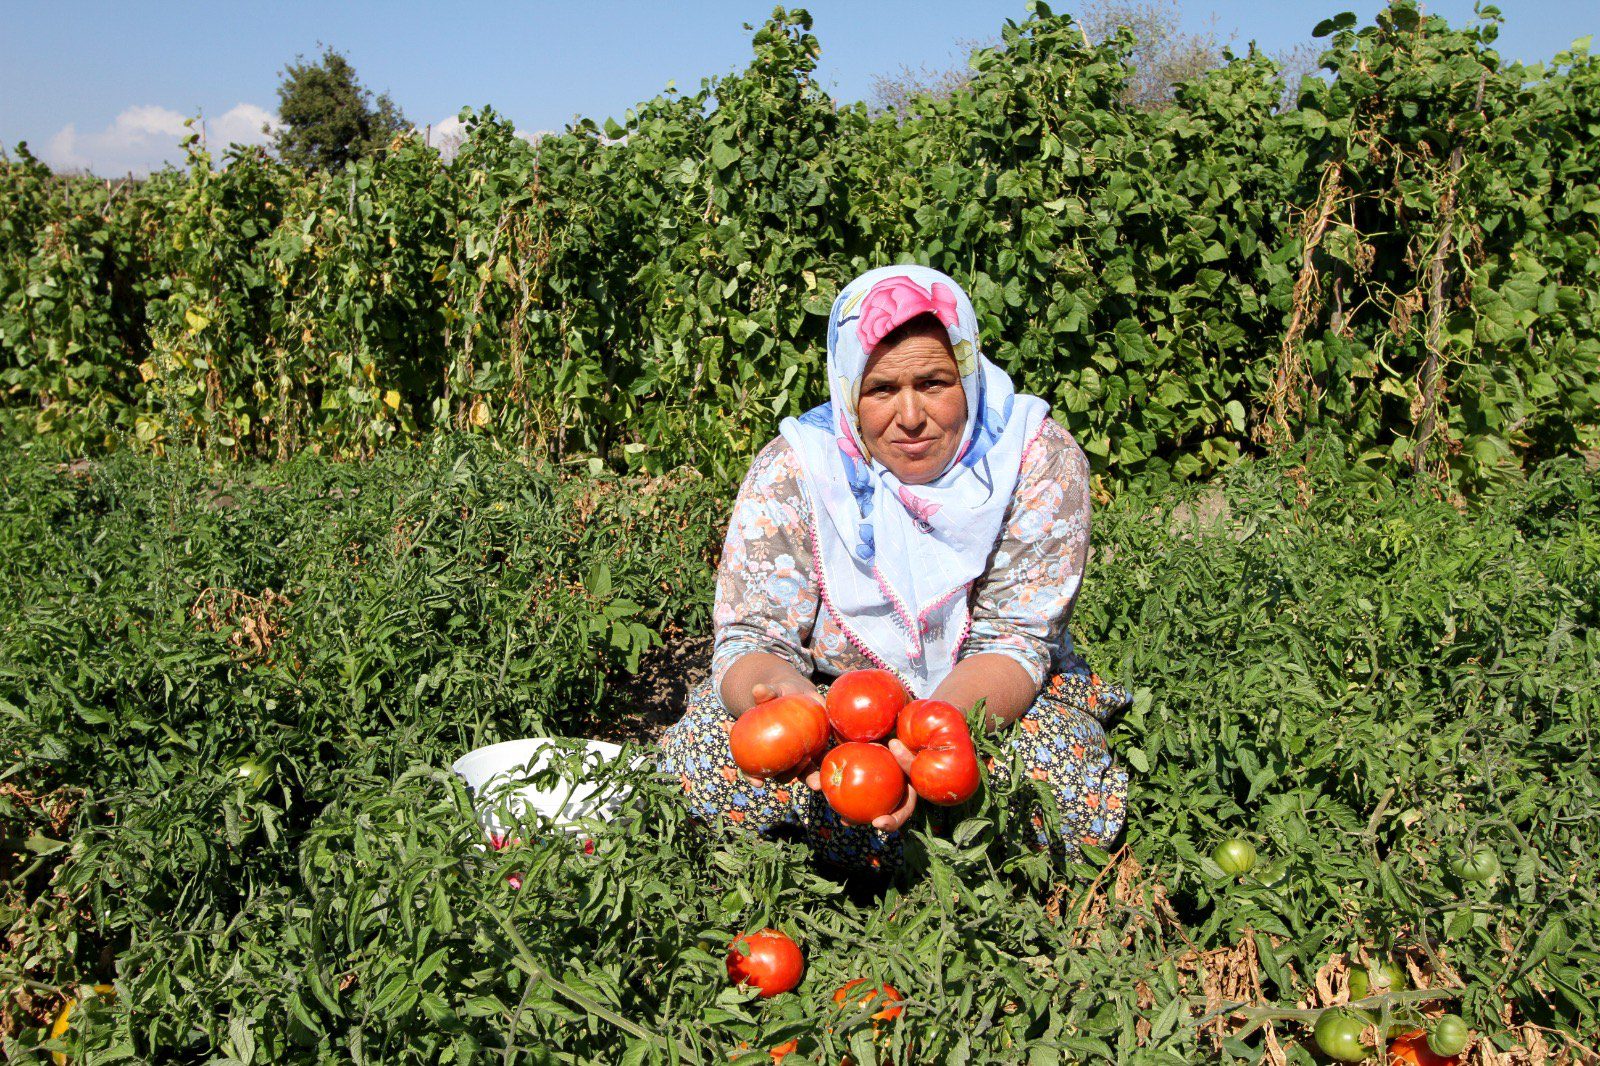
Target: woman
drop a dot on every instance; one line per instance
(927, 520)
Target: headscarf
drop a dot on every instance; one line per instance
(896, 561)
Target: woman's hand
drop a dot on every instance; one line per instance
(763, 691)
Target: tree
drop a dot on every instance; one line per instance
(328, 118)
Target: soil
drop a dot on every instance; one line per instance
(645, 704)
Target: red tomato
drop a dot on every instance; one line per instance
(946, 774)
(923, 722)
(866, 997)
(774, 737)
(863, 781)
(774, 964)
(864, 704)
(1412, 1049)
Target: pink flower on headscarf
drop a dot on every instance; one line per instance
(896, 300)
(920, 509)
(847, 440)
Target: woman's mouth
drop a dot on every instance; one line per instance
(916, 449)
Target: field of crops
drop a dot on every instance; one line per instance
(1364, 681)
(1405, 256)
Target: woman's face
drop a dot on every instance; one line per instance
(912, 408)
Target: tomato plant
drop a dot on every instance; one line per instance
(863, 705)
(767, 959)
(779, 735)
(862, 781)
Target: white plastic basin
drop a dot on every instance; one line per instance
(496, 776)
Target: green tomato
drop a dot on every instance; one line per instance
(1339, 1036)
(1448, 1036)
(1235, 856)
(1384, 977)
(1478, 865)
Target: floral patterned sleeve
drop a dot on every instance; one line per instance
(766, 599)
(1021, 606)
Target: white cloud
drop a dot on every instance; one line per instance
(144, 137)
(448, 133)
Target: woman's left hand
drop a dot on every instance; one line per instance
(891, 822)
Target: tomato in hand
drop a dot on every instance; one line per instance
(863, 705)
(945, 769)
(925, 722)
(779, 735)
(946, 774)
(1339, 1036)
(863, 781)
(869, 997)
(774, 963)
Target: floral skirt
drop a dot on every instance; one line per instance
(1059, 742)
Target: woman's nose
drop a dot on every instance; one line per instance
(909, 409)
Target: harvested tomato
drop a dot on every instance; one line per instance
(864, 705)
(868, 997)
(779, 735)
(926, 722)
(1339, 1036)
(863, 781)
(946, 774)
(1412, 1048)
(773, 965)
(945, 770)
(1448, 1036)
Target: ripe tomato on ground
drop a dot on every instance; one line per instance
(1412, 1049)
(925, 722)
(779, 735)
(946, 774)
(868, 997)
(864, 705)
(774, 963)
(863, 781)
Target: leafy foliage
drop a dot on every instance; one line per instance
(1363, 680)
(328, 119)
(1403, 258)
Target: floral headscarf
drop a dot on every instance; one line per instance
(896, 561)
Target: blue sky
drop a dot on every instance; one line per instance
(106, 85)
